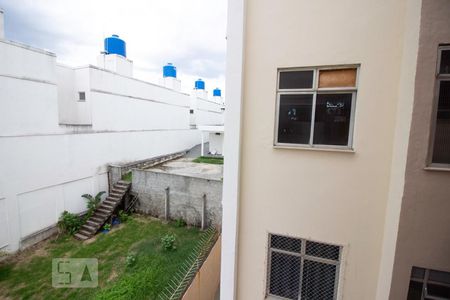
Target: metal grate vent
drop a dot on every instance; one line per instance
(302, 269)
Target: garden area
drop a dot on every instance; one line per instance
(216, 160)
(136, 260)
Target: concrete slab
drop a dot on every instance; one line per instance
(186, 167)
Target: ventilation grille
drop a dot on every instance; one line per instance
(302, 269)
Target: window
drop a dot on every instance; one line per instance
(441, 139)
(428, 284)
(302, 269)
(315, 107)
(81, 96)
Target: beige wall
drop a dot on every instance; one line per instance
(424, 228)
(206, 281)
(333, 197)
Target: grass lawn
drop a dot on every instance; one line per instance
(28, 276)
(209, 160)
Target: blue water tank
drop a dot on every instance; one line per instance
(199, 84)
(170, 70)
(217, 92)
(115, 45)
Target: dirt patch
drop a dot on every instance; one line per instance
(113, 275)
(25, 256)
(145, 218)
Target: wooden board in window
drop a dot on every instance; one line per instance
(337, 78)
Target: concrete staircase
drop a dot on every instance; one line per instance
(103, 211)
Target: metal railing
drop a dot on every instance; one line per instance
(183, 278)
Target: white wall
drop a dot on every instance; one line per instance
(216, 142)
(207, 112)
(329, 196)
(70, 83)
(2, 23)
(47, 160)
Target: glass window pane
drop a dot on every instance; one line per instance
(318, 280)
(439, 276)
(438, 291)
(441, 149)
(284, 275)
(296, 79)
(418, 273)
(337, 78)
(285, 243)
(294, 121)
(332, 120)
(445, 62)
(415, 290)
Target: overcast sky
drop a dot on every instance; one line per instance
(188, 33)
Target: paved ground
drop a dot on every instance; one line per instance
(185, 166)
(196, 151)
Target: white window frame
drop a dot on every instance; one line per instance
(303, 256)
(439, 78)
(314, 91)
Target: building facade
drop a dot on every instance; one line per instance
(336, 183)
(61, 126)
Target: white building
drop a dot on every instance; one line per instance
(60, 127)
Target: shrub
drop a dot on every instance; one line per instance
(92, 203)
(168, 242)
(69, 223)
(180, 222)
(130, 260)
(123, 216)
(107, 226)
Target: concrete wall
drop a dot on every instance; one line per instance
(185, 196)
(335, 197)
(206, 281)
(424, 227)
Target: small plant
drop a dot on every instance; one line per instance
(168, 242)
(69, 223)
(130, 261)
(107, 227)
(92, 203)
(123, 216)
(180, 222)
(127, 176)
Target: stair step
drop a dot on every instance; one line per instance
(88, 228)
(80, 236)
(109, 202)
(87, 234)
(97, 219)
(104, 211)
(93, 223)
(115, 194)
(113, 199)
(123, 182)
(101, 215)
(107, 207)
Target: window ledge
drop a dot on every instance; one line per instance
(441, 168)
(327, 149)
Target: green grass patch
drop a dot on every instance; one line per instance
(127, 176)
(29, 276)
(209, 160)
